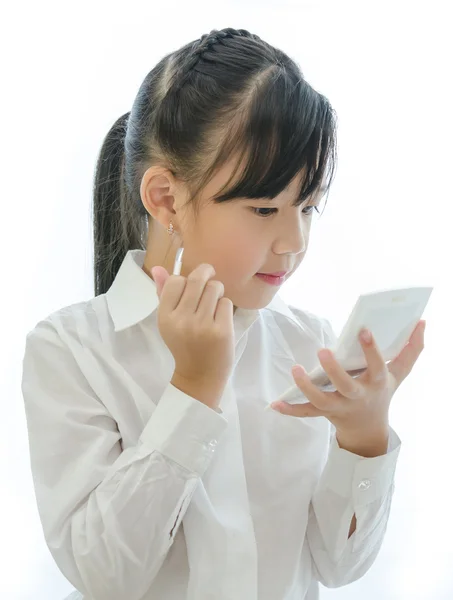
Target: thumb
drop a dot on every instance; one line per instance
(160, 276)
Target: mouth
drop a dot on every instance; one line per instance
(276, 274)
(273, 278)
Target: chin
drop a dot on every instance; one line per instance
(255, 304)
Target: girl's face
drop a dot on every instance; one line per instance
(242, 237)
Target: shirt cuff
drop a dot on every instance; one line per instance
(184, 429)
(364, 480)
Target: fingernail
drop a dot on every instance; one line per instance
(276, 406)
(366, 335)
(299, 371)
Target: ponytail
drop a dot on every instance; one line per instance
(115, 222)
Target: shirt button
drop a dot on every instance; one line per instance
(364, 484)
(211, 445)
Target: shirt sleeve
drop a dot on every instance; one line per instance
(109, 515)
(350, 484)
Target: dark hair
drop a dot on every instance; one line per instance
(227, 93)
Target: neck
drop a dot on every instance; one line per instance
(160, 248)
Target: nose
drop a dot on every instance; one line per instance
(293, 238)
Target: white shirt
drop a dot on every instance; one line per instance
(136, 481)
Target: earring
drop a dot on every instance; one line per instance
(170, 228)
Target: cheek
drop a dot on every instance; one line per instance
(227, 240)
(235, 255)
(244, 245)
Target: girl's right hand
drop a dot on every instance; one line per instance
(196, 323)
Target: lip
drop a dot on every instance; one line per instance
(276, 274)
(270, 279)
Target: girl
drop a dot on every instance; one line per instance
(158, 473)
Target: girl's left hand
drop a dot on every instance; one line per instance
(360, 404)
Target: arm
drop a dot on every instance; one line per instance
(368, 448)
(351, 505)
(109, 516)
(353, 491)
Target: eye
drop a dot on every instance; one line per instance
(273, 210)
(307, 211)
(310, 209)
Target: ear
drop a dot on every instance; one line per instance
(157, 191)
(160, 276)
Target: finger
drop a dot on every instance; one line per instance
(224, 313)
(195, 286)
(376, 367)
(297, 410)
(171, 293)
(402, 365)
(324, 401)
(345, 385)
(160, 276)
(212, 293)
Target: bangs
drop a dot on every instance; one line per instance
(283, 130)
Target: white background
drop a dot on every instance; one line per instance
(69, 70)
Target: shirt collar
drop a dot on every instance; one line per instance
(132, 297)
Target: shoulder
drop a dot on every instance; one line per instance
(61, 349)
(71, 320)
(297, 333)
(319, 325)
